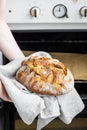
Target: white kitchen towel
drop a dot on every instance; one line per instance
(30, 105)
(70, 105)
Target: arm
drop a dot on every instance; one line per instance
(8, 44)
(2, 8)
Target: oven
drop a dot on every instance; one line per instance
(57, 27)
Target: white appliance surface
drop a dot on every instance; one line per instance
(46, 14)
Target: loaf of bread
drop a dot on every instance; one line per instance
(45, 75)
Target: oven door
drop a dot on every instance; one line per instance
(62, 45)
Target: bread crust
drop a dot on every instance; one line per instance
(44, 75)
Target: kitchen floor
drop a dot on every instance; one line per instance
(77, 124)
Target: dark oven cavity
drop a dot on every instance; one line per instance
(49, 41)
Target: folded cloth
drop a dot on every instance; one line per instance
(30, 105)
(70, 105)
(3, 93)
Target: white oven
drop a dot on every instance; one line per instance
(46, 14)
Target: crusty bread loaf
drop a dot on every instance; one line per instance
(44, 75)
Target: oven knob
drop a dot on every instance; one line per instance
(83, 11)
(34, 11)
(60, 11)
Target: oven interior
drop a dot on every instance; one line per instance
(70, 47)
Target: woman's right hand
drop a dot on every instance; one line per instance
(3, 93)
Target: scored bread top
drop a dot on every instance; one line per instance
(42, 75)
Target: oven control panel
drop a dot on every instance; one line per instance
(45, 12)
